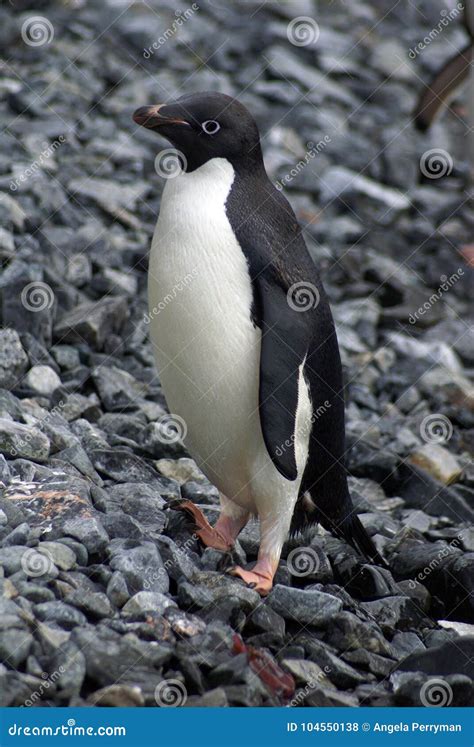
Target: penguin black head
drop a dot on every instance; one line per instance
(203, 126)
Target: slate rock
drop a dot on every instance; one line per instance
(13, 359)
(24, 441)
(92, 322)
(303, 606)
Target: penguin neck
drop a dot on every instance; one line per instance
(243, 163)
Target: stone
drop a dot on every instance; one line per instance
(141, 567)
(60, 614)
(118, 696)
(209, 588)
(306, 672)
(147, 601)
(13, 359)
(304, 606)
(92, 322)
(117, 389)
(89, 531)
(94, 604)
(63, 557)
(42, 380)
(453, 657)
(438, 461)
(23, 441)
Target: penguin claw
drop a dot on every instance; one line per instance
(209, 536)
(259, 581)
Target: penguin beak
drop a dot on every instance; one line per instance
(153, 117)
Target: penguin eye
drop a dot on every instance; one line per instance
(210, 126)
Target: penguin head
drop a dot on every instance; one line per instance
(203, 126)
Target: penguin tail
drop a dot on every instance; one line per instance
(353, 531)
(349, 528)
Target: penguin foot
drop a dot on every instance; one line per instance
(209, 535)
(259, 578)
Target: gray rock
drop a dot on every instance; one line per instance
(60, 614)
(93, 322)
(142, 568)
(62, 556)
(89, 531)
(112, 658)
(304, 606)
(16, 643)
(117, 590)
(13, 359)
(147, 601)
(208, 588)
(94, 604)
(42, 380)
(19, 440)
(117, 696)
(117, 389)
(344, 183)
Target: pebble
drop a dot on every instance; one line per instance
(438, 461)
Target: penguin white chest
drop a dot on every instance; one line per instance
(206, 346)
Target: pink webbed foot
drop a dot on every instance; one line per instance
(210, 536)
(259, 578)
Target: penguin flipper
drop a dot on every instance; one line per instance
(286, 336)
(444, 85)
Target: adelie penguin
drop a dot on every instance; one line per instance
(246, 351)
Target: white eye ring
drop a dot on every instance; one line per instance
(210, 126)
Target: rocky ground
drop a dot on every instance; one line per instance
(106, 597)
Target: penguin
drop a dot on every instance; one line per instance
(246, 349)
